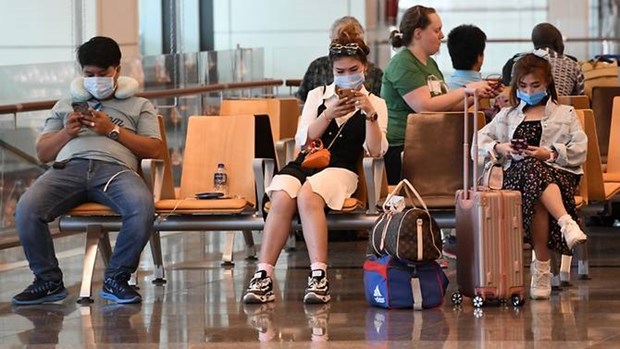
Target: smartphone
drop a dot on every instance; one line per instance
(209, 195)
(345, 92)
(81, 107)
(519, 144)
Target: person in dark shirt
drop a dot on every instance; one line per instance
(567, 73)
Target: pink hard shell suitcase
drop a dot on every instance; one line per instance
(489, 233)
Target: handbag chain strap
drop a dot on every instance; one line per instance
(337, 134)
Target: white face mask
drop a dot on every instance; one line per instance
(101, 87)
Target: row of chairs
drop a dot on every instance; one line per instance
(239, 141)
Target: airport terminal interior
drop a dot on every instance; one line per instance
(245, 59)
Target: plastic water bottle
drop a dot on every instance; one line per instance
(220, 180)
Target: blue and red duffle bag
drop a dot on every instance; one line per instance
(393, 283)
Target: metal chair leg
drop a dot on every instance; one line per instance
(159, 273)
(229, 245)
(250, 248)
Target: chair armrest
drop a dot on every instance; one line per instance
(153, 175)
(263, 174)
(285, 150)
(373, 171)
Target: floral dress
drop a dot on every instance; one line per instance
(531, 177)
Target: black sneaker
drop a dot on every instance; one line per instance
(449, 247)
(118, 290)
(260, 289)
(41, 292)
(317, 291)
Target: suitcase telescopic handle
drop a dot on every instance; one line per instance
(470, 92)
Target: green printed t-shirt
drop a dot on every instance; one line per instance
(404, 74)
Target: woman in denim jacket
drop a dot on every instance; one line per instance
(542, 146)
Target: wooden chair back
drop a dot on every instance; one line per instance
(211, 140)
(283, 113)
(593, 178)
(613, 153)
(433, 155)
(579, 102)
(602, 100)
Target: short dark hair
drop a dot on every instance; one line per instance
(545, 35)
(99, 51)
(465, 43)
(415, 17)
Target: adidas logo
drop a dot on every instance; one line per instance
(377, 295)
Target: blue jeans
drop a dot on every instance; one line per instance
(59, 190)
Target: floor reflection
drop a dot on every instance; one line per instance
(200, 306)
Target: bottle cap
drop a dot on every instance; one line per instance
(221, 164)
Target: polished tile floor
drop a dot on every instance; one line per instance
(200, 306)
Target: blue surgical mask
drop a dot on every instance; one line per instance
(349, 81)
(532, 99)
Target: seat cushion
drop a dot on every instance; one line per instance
(579, 202)
(611, 177)
(195, 206)
(92, 209)
(349, 205)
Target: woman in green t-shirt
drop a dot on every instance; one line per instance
(413, 83)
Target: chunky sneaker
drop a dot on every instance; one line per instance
(41, 292)
(260, 317)
(449, 247)
(573, 234)
(318, 316)
(540, 287)
(260, 289)
(117, 289)
(317, 291)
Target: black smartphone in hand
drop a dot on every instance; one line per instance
(82, 108)
(519, 144)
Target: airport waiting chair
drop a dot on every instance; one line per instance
(577, 101)
(602, 100)
(612, 172)
(433, 160)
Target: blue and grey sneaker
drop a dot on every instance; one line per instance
(317, 291)
(260, 289)
(117, 289)
(41, 292)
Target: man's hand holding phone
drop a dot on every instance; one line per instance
(84, 112)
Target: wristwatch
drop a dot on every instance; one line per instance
(115, 133)
(372, 117)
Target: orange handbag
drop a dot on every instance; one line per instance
(317, 157)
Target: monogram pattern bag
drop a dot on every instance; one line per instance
(411, 234)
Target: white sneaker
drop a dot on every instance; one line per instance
(540, 287)
(573, 234)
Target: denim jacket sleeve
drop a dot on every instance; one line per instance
(492, 133)
(572, 145)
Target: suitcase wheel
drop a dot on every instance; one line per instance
(457, 298)
(478, 301)
(517, 300)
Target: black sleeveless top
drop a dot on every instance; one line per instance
(348, 148)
